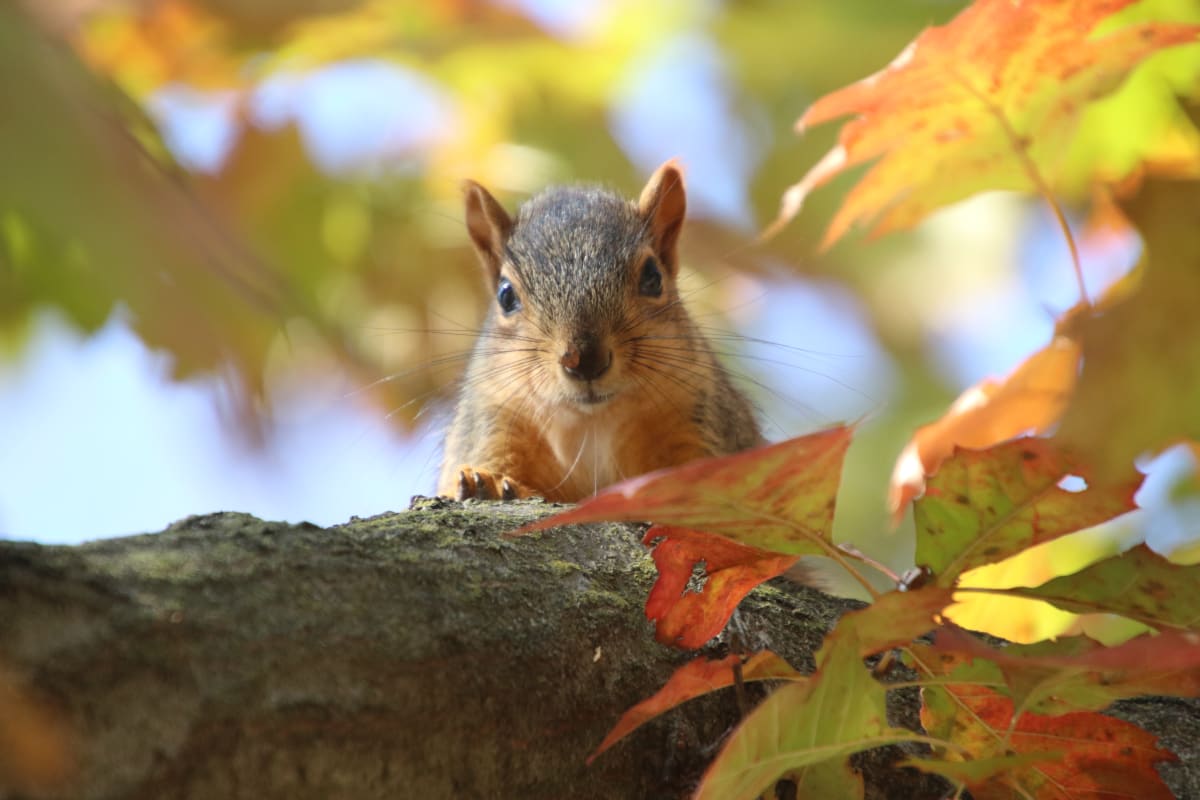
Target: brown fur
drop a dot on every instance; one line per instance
(575, 259)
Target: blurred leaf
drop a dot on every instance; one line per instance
(1139, 584)
(1012, 616)
(1140, 384)
(100, 222)
(1000, 83)
(1141, 128)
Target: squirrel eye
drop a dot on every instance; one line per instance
(506, 296)
(650, 284)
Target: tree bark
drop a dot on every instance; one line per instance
(413, 655)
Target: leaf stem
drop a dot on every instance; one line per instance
(1020, 148)
(831, 550)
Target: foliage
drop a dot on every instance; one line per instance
(1000, 88)
(986, 98)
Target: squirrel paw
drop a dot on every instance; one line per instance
(483, 485)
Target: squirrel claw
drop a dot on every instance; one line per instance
(482, 485)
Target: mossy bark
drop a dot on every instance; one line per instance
(421, 654)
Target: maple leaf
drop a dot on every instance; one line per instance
(1079, 755)
(1139, 389)
(988, 98)
(696, 679)
(812, 725)
(893, 619)
(1079, 674)
(1030, 400)
(688, 619)
(779, 497)
(1138, 584)
(986, 505)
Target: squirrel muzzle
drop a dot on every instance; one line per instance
(586, 359)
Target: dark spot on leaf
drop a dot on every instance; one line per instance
(1029, 455)
(962, 500)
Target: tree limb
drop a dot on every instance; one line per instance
(420, 654)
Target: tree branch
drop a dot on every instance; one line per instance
(420, 654)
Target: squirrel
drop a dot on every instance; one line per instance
(588, 369)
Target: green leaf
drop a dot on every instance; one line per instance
(977, 770)
(984, 506)
(1139, 584)
(829, 780)
(840, 711)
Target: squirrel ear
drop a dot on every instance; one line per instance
(489, 226)
(663, 204)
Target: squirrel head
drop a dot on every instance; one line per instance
(584, 286)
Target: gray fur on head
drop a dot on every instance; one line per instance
(569, 248)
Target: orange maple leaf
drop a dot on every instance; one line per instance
(688, 619)
(980, 103)
(1080, 755)
(696, 679)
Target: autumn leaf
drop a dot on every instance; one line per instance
(1139, 584)
(1030, 400)
(977, 771)
(696, 679)
(102, 218)
(986, 505)
(779, 497)
(1080, 755)
(893, 619)
(989, 98)
(1079, 674)
(1139, 390)
(817, 723)
(168, 41)
(688, 619)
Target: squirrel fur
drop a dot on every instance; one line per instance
(588, 369)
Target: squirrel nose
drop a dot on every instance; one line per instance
(586, 360)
